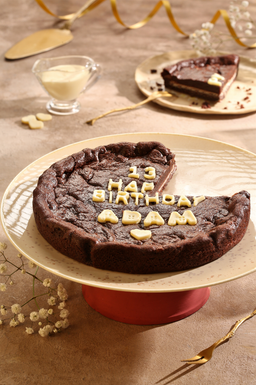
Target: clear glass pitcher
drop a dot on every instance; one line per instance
(64, 79)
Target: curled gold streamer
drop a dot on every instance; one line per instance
(220, 13)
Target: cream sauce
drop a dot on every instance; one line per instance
(65, 82)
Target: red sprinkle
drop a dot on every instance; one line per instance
(205, 105)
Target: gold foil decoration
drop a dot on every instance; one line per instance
(154, 95)
(166, 4)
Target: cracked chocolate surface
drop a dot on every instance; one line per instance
(66, 215)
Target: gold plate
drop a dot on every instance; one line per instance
(236, 96)
(40, 41)
(221, 169)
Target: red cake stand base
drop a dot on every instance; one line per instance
(145, 308)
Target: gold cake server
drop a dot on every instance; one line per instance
(45, 40)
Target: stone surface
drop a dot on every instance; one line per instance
(95, 349)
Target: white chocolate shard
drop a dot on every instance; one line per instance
(43, 117)
(133, 173)
(168, 199)
(98, 196)
(131, 217)
(137, 196)
(107, 216)
(117, 185)
(177, 219)
(151, 173)
(198, 200)
(35, 124)
(122, 196)
(154, 199)
(26, 119)
(153, 218)
(214, 80)
(132, 186)
(141, 235)
(218, 76)
(183, 201)
(147, 187)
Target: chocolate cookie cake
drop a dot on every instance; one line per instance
(204, 77)
(103, 208)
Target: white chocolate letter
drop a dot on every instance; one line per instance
(153, 218)
(183, 201)
(107, 216)
(133, 173)
(132, 186)
(186, 217)
(117, 185)
(147, 187)
(131, 217)
(137, 196)
(122, 196)
(154, 199)
(98, 196)
(151, 173)
(198, 200)
(168, 199)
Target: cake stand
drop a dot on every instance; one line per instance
(205, 167)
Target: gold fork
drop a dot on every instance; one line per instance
(205, 355)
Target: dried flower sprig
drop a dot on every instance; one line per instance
(207, 41)
(43, 320)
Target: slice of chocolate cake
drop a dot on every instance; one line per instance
(205, 77)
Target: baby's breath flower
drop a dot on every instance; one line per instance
(58, 324)
(51, 301)
(50, 311)
(248, 32)
(47, 282)
(208, 26)
(14, 323)
(64, 313)
(3, 268)
(3, 310)
(19, 255)
(62, 305)
(44, 332)
(249, 25)
(31, 264)
(34, 316)
(40, 323)
(55, 330)
(23, 271)
(3, 246)
(1, 322)
(21, 318)
(29, 330)
(62, 293)
(11, 283)
(245, 3)
(43, 313)
(2, 286)
(65, 323)
(247, 15)
(16, 308)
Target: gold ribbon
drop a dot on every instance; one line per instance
(165, 3)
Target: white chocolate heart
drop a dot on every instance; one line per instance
(43, 117)
(141, 235)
